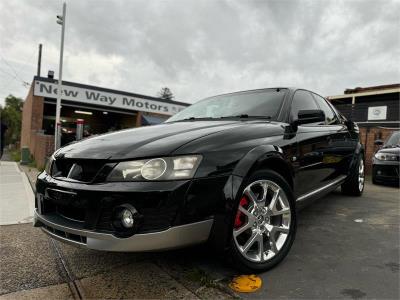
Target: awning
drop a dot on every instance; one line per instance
(152, 120)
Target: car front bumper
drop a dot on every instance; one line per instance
(174, 237)
(386, 172)
(173, 214)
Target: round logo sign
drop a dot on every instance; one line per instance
(376, 111)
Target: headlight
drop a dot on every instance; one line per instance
(153, 169)
(165, 168)
(386, 156)
(49, 165)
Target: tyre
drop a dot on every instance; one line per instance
(354, 184)
(264, 225)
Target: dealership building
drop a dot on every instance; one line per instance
(376, 111)
(100, 110)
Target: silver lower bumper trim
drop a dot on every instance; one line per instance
(337, 181)
(174, 237)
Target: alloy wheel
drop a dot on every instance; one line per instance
(262, 222)
(361, 176)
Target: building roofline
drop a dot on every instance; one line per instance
(369, 93)
(372, 88)
(107, 90)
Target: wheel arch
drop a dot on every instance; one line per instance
(359, 150)
(265, 157)
(261, 157)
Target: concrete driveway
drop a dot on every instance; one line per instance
(345, 248)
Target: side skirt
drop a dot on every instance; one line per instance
(305, 199)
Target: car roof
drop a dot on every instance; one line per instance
(292, 89)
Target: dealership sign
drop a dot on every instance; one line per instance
(98, 97)
(377, 112)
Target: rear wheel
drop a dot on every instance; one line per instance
(264, 224)
(354, 184)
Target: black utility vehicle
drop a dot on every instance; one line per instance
(386, 161)
(230, 170)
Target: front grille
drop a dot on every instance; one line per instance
(105, 221)
(157, 213)
(72, 213)
(93, 210)
(61, 197)
(83, 170)
(66, 235)
(65, 203)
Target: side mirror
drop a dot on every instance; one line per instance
(310, 116)
(378, 142)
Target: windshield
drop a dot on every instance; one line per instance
(263, 103)
(394, 139)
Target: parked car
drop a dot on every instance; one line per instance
(386, 161)
(231, 170)
(68, 132)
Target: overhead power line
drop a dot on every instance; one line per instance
(15, 76)
(12, 76)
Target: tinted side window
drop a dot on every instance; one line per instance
(302, 100)
(330, 117)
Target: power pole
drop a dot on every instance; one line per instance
(57, 135)
(39, 64)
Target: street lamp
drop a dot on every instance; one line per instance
(57, 133)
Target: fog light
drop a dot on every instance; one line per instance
(127, 218)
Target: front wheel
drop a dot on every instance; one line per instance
(354, 184)
(264, 224)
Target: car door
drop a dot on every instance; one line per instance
(341, 145)
(312, 145)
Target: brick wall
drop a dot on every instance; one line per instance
(368, 135)
(44, 146)
(40, 145)
(32, 119)
(27, 119)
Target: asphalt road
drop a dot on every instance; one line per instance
(345, 248)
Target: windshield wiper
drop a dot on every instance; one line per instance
(193, 119)
(242, 116)
(246, 116)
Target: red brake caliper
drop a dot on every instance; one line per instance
(240, 217)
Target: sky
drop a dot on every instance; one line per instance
(203, 48)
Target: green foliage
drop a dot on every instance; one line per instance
(16, 155)
(11, 115)
(32, 163)
(166, 94)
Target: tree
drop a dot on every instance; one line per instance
(166, 94)
(11, 116)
